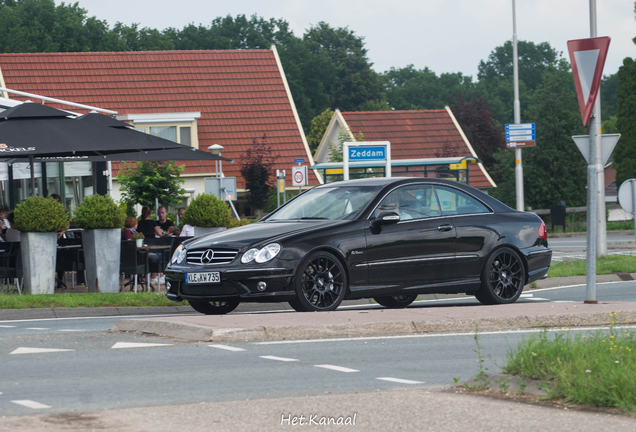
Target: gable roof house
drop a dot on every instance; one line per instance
(424, 143)
(199, 98)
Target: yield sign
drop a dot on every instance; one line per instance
(608, 142)
(587, 57)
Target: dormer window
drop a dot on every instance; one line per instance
(177, 127)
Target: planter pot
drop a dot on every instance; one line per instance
(140, 242)
(39, 253)
(102, 248)
(199, 231)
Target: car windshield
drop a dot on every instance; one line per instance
(328, 203)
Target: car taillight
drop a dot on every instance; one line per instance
(542, 232)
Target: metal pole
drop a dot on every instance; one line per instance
(601, 233)
(109, 171)
(517, 111)
(591, 217)
(634, 202)
(277, 188)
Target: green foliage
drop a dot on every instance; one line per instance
(256, 169)
(335, 150)
(235, 223)
(604, 265)
(138, 236)
(609, 126)
(99, 212)
(272, 201)
(143, 182)
(624, 156)
(84, 300)
(595, 369)
(206, 210)
(39, 214)
(609, 103)
(318, 127)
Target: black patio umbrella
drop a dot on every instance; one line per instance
(32, 130)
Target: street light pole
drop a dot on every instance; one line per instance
(517, 111)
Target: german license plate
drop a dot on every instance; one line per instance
(201, 278)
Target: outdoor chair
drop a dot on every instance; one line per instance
(11, 265)
(70, 258)
(163, 254)
(133, 262)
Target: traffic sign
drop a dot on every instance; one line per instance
(587, 57)
(520, 132)
(365, 153)
(626, 194)
(299, 175)
(299, 160)
(608, 142)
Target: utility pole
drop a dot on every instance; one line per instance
(601, 222)
(517, 111)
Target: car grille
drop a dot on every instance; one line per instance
(219, 256)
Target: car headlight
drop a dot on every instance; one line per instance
(179, 255)
(267, 253)
(261, 255)
(249, 256)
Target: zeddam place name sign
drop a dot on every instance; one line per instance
(354, 152)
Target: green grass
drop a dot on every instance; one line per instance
(85, 300)
(595, 369)
(605, 265)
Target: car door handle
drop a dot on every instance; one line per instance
(444, 227)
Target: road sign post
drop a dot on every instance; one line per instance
(587, 57)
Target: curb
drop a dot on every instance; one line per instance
(51, 313)
(508, 384)
(195, 332)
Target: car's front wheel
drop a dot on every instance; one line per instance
(213, 308)
(321, 283)
(396, 301)
(502, 278)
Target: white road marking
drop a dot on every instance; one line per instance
(226, 347)
(3, 326)
(37, 328)
(337, 368)
(400, 380)
(30, 404)
(71, 330)
(283, 359)
(122, 345)
(526, 295)
(470, 333)
(25, 350)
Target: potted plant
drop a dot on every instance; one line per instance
(207, 214)
(39, 220)
(138, 238)
(102, 221)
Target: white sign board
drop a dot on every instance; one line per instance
(299, 175)
(626, 194)
(224, 188)
(366, 151)
(608, 142)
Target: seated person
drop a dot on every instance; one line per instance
(165, 227)
(187, 231)
(130, 228)
(146, 225)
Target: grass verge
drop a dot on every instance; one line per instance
(604, 265)
(595, 369)
(85, 300)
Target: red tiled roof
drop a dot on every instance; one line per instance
(415, 135)
(240, 94)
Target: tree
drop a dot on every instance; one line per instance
(318, 127)
(624, 156)
(144, 182)
(256, 170)
(483, 132)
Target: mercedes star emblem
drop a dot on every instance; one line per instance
(207, 256)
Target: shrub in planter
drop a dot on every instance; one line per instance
(39, 219)
(102, 220)
(235, 223)
(207, 211)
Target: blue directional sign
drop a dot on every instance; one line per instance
(367, 153)
(299, 160)
(520, 132)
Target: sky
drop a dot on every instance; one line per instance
(443, 35)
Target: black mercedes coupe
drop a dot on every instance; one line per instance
(389, 239)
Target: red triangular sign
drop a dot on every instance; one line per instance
(587, 57)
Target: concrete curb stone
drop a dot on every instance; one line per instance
(508, 384)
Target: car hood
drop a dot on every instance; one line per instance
(258, 232)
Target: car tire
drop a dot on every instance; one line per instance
(502, 278)
(396, 301)
(213, 308)
(320, 283)
(297, 305)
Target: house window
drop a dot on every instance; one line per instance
(178, 127)
(167, 132)
(184, 135)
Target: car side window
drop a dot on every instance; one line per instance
(411, 202)
(455, 202)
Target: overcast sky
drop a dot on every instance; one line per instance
(443, 35)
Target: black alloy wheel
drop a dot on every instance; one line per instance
(502, 278)
(396, 301)
(213, 308)
(321, 285)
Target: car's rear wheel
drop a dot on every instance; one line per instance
(320, 284)
(396, 301)
(502, 278)
(213, 308)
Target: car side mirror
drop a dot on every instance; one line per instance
(385, 218)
